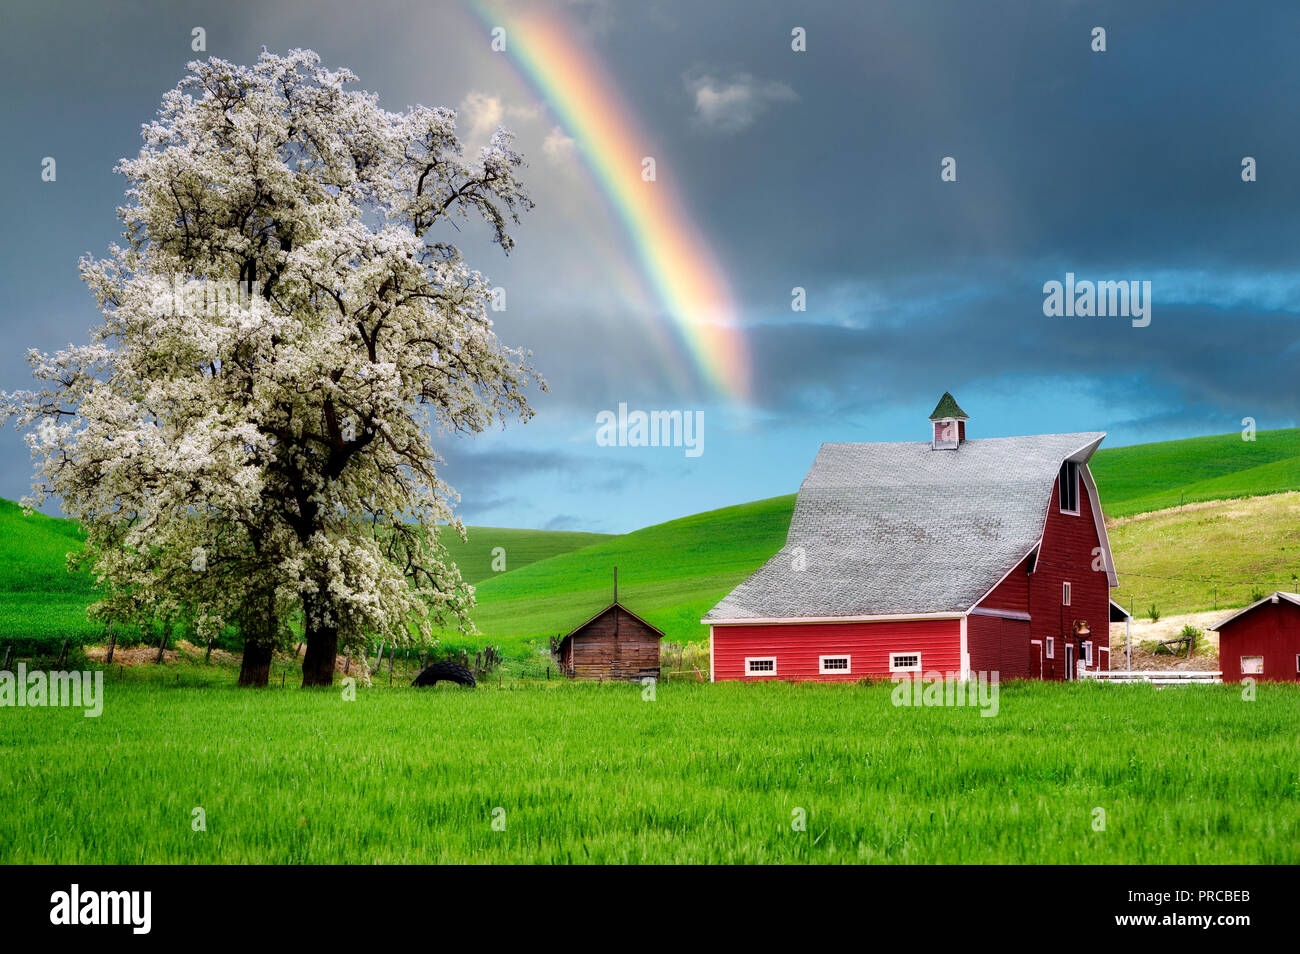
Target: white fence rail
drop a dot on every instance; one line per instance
(1160, 677)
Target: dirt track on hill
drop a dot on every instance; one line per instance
(1146, 634)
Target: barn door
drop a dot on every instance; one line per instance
(1069, 661)
(1036, 659)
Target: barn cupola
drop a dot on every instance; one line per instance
(947, 424)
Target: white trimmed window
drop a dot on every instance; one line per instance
(834, 664)
(904, 662)
(1065, 594)
(1051, 647)
(1068, 489)
(1252, 665)
(1087, 653)
(760, 665)
(1297, 664)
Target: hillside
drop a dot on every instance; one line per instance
(1146, 477)
(474, 556)
(671, 574)
(1174, 558)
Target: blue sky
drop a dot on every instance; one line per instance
(817, 169)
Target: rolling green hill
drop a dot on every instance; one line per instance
(1207, 556)
(475, 555)
(671, 574)
(1146, 477)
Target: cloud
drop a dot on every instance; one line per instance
(563, 521)
(476, 472)
(481, 113)
(730, 105)
(558, 146)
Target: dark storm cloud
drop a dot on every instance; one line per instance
(1242, 361)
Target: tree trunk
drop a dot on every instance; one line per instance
(255, 668)
(322, 651)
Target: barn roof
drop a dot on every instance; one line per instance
(1271, 598)
(614, 605)
(900, 529)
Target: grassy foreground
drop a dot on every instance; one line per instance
(585, 773)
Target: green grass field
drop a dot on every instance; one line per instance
(673, 572)
(587, 773)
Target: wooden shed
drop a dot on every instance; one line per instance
(613, 644)
(1262, 641)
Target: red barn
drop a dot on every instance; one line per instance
(949, 555)
(1262, 641)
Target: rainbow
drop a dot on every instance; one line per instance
(677, 261)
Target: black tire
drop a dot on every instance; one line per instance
(445, 671)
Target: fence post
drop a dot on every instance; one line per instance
(63, 655)
(162, 643)
(379, 656)
(9, 655)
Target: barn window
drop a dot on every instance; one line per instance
(1297, 663)
(833, 664)
(1065, 594)
(1252, 665)
(761, 666)
(1068, 485)
(904, 662)
(1087, 653)
(1051, 647)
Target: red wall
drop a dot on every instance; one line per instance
(1012, 593)
(1001, 646)
(1271, 631)
(796, 647)
(1066, 554)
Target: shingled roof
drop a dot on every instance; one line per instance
(892, 529)
(948, 408)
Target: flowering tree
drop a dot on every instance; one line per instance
(247, 437)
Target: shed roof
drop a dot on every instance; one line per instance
(899, 529)
(614, 605)
(1271, 598)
